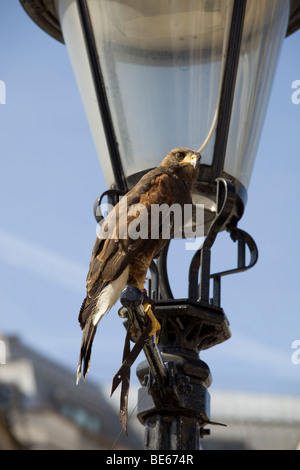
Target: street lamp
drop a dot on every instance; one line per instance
(155, 75)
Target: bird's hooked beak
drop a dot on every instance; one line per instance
(191, 159)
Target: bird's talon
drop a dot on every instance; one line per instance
(132, 330)
(155, 324)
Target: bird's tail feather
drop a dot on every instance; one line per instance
(92, 310)
(86, 348)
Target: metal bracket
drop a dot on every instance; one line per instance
(243, 239)
(226, 195)
(225, 219)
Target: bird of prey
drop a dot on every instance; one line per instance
(119, 259)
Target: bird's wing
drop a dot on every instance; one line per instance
(112, 253)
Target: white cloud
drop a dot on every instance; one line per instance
(23, 254)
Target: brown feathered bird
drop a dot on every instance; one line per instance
(118, 257)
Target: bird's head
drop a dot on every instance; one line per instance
(184, 162)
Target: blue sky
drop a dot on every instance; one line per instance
(50, 177)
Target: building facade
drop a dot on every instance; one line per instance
(42, 408)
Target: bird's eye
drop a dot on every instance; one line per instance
(179, 156)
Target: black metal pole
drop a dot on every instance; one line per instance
(171, 432)
(174, 402)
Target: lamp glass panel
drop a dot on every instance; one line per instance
(161, 63)
(74, 40)
(264, 31)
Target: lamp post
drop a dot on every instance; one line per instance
(158, 75)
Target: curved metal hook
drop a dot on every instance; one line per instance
(243, 239)
(225, 199)
(153, 290)
(165, 291)
(113, 195)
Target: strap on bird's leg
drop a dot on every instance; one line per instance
(123, 374)
(142, 324)
(125, 386)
